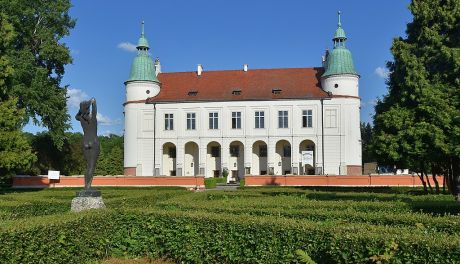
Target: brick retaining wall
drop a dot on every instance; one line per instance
(78, 181)
(336, 180)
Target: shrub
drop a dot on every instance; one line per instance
(213, 238)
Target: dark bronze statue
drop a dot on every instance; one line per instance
(91, 147)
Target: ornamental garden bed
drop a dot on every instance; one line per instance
(250, 225)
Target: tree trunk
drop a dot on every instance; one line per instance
(423, 182)
(455, 178)
(433, 175)
(444, 182)
(428, 181)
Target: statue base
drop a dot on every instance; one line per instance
(87, 199)
(85, 203)
(89, 193)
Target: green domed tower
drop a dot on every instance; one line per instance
(340, 76)
(142, 84)
(142, 68)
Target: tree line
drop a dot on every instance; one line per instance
(69, 159)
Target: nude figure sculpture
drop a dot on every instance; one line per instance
(91, 147)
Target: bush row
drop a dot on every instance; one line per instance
(47, 202)
(209, 238)
(267, 199)
(211, 183)
(449, 224)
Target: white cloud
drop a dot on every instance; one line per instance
(127, 46)
(74, 97)
(370, 103)
(106, 121)
(381, 72)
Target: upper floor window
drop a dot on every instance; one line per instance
(191, 121)
(214, 120)
(283, 119)
(260, 119)
(307, 118)
(331, 118)
(169, 121)
(236, 120)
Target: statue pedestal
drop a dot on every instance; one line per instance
(87, 199)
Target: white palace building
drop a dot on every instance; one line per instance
(293, 121)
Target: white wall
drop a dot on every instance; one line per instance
(341, 143)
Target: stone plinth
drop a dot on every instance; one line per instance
(84, 203)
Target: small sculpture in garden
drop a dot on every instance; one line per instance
(88, 198)
(91, 147)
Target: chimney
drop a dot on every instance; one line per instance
(245, 67)
(199, 69)
(325, 57)
(157, 66)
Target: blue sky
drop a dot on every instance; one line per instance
(222, 35)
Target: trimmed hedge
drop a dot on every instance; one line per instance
(211, 183)
(210, 238)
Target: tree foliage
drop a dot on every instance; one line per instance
(32, 60)
(366, 137)
(417, 124)
(69, 160)
(15, 151)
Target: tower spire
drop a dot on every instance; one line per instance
(339, 24)
(142, 44)
(339, 36)
(142, 28)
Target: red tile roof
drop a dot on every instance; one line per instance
(258, 84)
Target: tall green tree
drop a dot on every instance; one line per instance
(34, 60)
(417, 124)
(366, 137)
(15, 151)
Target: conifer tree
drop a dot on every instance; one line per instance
(417, 124)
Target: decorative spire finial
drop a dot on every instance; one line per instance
(142, 33)
(340, 24)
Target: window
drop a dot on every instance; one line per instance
(215, 152)
(286, 151)
(214, 120)
(172, 152)
(236, 120)
(260, 119)
(169, 121)
(234, 151)
(192, 93)
(307, 118)
(263, 151)
(191, 121)
(283, 119)
(331, 118)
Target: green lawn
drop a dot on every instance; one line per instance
(251, 225)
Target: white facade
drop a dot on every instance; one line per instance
(149, 145)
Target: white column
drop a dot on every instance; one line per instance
(180, 153)
(247, 155)
(295, 156)
(202, 157)
(271, 154)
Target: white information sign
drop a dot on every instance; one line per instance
(307, 157)
(53, 175)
